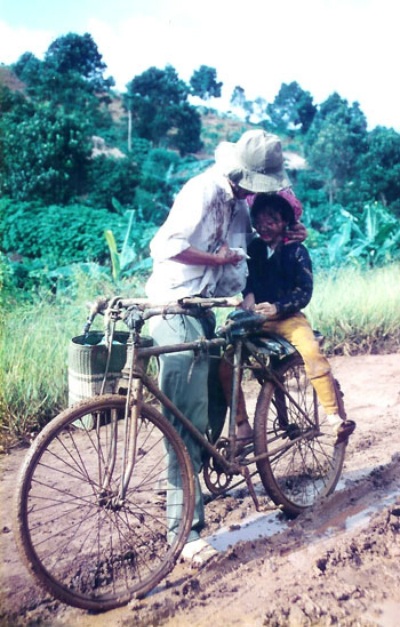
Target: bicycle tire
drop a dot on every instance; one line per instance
(303, 463)
(76, 538)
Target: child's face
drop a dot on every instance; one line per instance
(270, 225)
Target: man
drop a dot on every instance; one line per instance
(201, 250)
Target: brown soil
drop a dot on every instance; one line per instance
(337, 564)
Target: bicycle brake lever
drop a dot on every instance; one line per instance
(97, 307)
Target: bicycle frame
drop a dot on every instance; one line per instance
(138, 379)
(96, 466)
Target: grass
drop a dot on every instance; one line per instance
(358, 311)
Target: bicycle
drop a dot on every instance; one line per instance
(92, 502)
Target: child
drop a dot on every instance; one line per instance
(279, 286)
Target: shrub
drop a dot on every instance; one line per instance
(58, 235)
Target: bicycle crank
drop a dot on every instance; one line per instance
(216, 479)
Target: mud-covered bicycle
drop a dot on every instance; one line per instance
(91, 513)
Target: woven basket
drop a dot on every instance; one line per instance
(87, 359)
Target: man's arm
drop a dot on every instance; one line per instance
(193, 256)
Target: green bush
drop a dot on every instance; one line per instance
(112, 178)
(58, 235)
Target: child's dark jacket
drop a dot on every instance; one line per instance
(284, 279)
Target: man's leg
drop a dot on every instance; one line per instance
(183, 378)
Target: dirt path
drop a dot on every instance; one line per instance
(336, 564)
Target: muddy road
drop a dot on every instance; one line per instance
(337, 564)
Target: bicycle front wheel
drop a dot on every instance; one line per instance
(87, 543)
(301, 462)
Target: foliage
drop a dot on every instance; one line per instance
(334, 143)
(379, 169)
(370, 239)
(57, 235)
(9, 100)
(120, 261)
(157, 101)
(292, 108)
(45, 156)
(357, 310)
(112, 178)
(153, 196)
(238, 97)
(375, 238)
(204, 83)
(58, 106)
(70, 59)
(78, 53)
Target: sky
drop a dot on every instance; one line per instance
(351, 47)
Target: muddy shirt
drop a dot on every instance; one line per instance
(283, 278)
(205, 214)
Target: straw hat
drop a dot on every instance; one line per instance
(254, 162)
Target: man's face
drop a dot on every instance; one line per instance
(270, 225)
(239, 192)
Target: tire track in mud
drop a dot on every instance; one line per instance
(329, 537)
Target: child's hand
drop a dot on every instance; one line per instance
(248, 302)
(266, 309)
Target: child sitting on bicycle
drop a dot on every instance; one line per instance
(279, 286)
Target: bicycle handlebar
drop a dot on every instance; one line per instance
(115, 306)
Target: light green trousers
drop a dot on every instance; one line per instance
(183, 378)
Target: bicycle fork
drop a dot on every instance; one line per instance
(130, 431)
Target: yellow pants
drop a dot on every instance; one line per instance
(298, 332)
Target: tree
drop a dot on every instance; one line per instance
(46, 155)
(157, 101)
(334, 143)
(112, 179)
(379, 169)
(71, 74)
(185, 134)
(292, 108)
(204, 83)
(78, 54)
(238, 97)
(28, 69)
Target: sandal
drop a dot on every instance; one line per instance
(344, 431)
(198, 552)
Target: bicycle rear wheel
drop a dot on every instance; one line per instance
(303, 463)
(84, 544)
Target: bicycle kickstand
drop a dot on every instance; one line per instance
(250, 486)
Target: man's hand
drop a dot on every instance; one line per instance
(227, 255)
(297, 233)
(193, 256)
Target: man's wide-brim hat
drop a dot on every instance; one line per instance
(254, 162)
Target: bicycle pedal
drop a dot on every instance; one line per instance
(244, 450)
